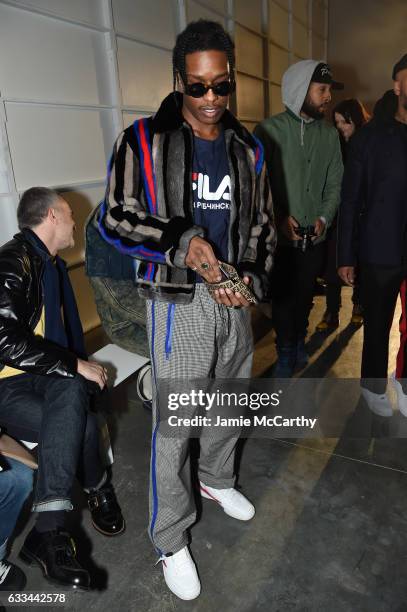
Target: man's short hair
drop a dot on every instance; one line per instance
(201, 35)
(34, 205)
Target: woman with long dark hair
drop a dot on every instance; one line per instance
(348, 116)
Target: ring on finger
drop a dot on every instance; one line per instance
(205, 265)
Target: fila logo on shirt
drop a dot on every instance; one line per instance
(200, 182)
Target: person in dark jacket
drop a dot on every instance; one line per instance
(348, 117)
(372, 228)
(46, 382)
(386, 106)
(188, 188)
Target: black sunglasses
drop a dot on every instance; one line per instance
(197, 90)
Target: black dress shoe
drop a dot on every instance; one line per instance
(12, 578)
(55, 553)
(106, 513)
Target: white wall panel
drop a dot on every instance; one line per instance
(8, 213)
(277, 105)
(250, 97)
(249, 52)
(318, 17)
(278, 24)
(300, 10)
(249, 13)
(145, 74)
(198, 11)
(5, 178)
(89, 11)
(64, 145)
(129, 118)
(51, 60)
(318, 47)
(283, 3)
(217, 5)
(82, 202)
(152, 21)
(300, 39)
(279, 62)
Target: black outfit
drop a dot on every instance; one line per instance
(333, 280)
(372, 217)
(372, 227)
(333, 296)
(293, 282)
(330, 275)
(380, 286)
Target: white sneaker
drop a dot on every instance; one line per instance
(401, 396)
(378, 404)
(233, 503)
(180, 574)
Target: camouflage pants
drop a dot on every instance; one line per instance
(122, 313)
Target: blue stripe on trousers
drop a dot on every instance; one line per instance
(154, 437)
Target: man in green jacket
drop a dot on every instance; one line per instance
(304, 162)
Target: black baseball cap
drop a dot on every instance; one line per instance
(401, 65)
(323, 74)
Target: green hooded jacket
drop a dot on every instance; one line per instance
(303, 156)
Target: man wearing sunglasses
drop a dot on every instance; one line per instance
(188, 188)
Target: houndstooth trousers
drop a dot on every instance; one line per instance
(198, 340)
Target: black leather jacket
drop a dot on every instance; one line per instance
(21, 303)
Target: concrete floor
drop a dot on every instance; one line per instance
(330, 529)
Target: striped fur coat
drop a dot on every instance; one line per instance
(148, 208)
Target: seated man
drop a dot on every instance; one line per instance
(46, 383)
(16, 482)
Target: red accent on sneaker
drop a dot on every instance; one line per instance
(210, 495)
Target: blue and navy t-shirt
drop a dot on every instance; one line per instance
(212, 192)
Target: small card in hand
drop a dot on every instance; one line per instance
(231, 280)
